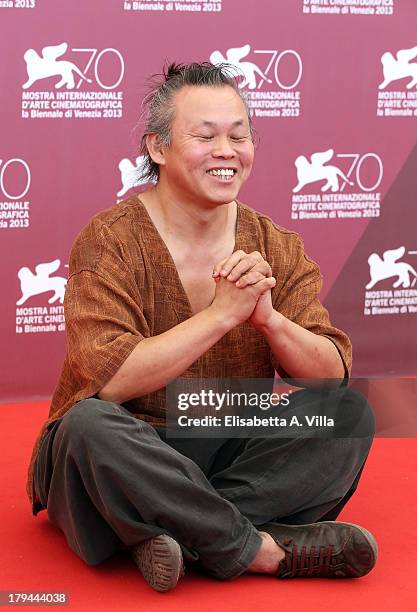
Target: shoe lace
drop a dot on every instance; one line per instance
(306, 563)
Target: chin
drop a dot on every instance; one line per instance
(222, 201)
(224, 195)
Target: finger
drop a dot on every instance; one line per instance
(245, 264)
(251, 278)
(218, 267)
(263, 269)
(231, 262)
(264, 285)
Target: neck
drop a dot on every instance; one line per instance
(189, 222)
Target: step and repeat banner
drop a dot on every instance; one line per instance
(332, 88)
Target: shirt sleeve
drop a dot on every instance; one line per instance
(297, 298)
(103, 309)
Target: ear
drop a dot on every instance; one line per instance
(155, 149)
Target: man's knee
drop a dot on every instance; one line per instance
(356, 424)
(91, 420)
(354, 416)
(88, 418)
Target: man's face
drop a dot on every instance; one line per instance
(211, 151)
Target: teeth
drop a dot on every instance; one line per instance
(223, 173)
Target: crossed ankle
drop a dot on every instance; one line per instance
(269, 556)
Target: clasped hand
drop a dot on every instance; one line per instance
(244, 282)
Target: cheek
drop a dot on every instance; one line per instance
(184, 157)
(247, 156)
(195, 157)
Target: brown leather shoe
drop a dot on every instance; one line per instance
(330, 549)
(159, 561)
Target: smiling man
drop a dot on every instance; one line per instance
(186, 281)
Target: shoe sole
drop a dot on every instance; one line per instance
(160, 562)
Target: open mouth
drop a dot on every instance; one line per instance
(224, 174)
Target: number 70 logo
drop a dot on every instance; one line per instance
(94, 65)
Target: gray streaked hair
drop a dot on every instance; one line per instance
(158, 104)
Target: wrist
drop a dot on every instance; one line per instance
(271, 326)
(221, 320)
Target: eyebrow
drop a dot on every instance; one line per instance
(213, 123)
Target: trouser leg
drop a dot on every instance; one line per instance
(115, 481)
(297, 480)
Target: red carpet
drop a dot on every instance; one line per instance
(34, 554)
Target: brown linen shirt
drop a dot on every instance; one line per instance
(123, 286)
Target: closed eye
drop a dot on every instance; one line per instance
(233, 138)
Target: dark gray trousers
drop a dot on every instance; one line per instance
(111, 481)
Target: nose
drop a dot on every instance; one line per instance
(222, 148)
